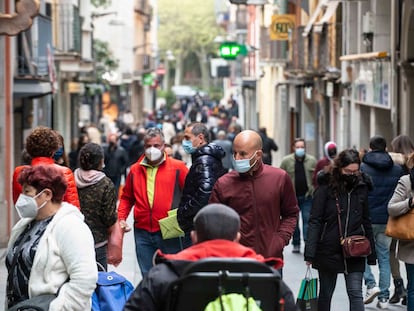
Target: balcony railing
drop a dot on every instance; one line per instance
(144, 63)
(275, 51)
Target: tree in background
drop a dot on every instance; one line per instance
(189, 27)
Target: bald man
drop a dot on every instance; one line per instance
(262, 195)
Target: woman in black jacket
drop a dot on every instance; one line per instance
(342, 183)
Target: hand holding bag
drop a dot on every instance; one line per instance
(308, 293)
(169, 226)
(354, 245)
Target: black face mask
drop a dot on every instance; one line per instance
(350, 180)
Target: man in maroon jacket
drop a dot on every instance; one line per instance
(262, 195)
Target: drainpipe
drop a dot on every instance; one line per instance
(394, 76)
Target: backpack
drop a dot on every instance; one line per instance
(232, 302)
(112, 292)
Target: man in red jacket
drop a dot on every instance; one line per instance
(153, 186)
(216, 234)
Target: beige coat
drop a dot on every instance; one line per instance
(398, 205)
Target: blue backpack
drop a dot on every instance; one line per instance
(112, 292)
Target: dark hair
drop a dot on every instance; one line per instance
(216, 221)
(200, 128)
(90, 156)
(154, 132)
(343, 159)
(42, 142)
(402, 144)
(378, 142)
(44, 176)
(297, 139)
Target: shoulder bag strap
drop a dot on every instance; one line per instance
(341, 235)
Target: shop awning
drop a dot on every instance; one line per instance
(31, 88)
(361, 56)
(330, 9)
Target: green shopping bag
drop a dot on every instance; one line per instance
(308, 293)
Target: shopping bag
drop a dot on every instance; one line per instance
(308, 293)
(169, 226)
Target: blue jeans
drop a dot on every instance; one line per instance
(147, 243)
(353, 282)
(382, 247)
(305, 206)
(410, 286)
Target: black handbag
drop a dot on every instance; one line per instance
(38, 303)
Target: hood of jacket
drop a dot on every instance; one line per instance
(378, 159)
(84, 178)
(210, 149)
(218, 249)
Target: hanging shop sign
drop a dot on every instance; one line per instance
(281, 25)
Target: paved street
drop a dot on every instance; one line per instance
(293, 272)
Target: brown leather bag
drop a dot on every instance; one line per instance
(356, 246)
(400, 227)
(353, 245)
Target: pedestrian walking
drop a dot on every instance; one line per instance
(401, 148)
(41, 145)
(342, 187)
(262, 195)
(97, 197)
(300, 166)
(205, 169)
(151, 191)
(51, 249)
(116, 161)
(400, 204)
(384, 174)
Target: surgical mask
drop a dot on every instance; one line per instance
(58, 154)
(153, 154)
(188, 146)
(26, 206)
(300, 152)
(243, 165)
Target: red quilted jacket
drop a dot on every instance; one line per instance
(71, 195)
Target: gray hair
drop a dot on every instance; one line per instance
(154, 132)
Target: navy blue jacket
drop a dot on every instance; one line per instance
(385, 175)
(206, 168)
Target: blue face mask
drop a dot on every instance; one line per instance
(243, 165)
(58, 154)
(188, 146)
(300, 152)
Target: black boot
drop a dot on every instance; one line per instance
(399, 292)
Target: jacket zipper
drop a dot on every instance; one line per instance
(346, 227)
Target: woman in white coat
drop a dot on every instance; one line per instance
(401, 203)
(51, 249)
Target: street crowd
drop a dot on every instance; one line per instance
(231, 200)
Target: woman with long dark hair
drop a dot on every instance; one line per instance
(343, 187)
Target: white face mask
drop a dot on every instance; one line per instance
(26, 206)
(153, 154)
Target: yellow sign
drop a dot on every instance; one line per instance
(279, 29)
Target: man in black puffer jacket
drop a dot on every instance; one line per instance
(378, 164)
(206, 168)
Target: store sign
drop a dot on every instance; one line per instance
(281, 25)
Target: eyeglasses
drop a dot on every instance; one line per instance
(351, 172)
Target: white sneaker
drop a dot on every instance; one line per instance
(382, 303)
(371, 294)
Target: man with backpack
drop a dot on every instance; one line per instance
(216, 234)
